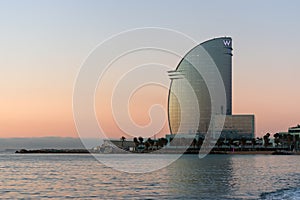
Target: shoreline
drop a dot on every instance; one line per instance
(165, 151)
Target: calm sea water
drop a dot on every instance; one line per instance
(214, 177)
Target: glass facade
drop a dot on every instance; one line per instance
(207, 57)
(213, 59)
(180, 106)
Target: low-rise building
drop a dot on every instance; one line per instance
(289, 139)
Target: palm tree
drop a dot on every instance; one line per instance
(230, 142)
(147, 145)
(161, 142)
(266, 139)
(220, 142)
(289, 141)
(199, 142)
(136, 142)
(122, 139)
(164, 141)
(243, 142)
(276, 140)
(194, 142)
(141, 139)
(151, 142)
(253, 141)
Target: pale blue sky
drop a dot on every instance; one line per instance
(43, 43)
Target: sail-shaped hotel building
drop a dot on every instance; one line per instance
(201, 89)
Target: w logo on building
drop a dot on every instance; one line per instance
(227, 43)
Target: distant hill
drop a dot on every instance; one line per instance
(47, 143)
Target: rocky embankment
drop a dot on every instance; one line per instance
(24, 151)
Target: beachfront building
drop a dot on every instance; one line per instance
(289, 139)
(295, 131)
(238, 126)
(295, 134)
(188, 82)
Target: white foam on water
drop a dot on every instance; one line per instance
(289, 194)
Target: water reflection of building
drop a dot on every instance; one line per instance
(216, 52)
(191, 178)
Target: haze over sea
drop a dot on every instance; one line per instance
(46, 45)
(214, 177)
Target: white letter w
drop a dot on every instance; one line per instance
(227, 43)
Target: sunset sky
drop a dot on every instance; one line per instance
(44, 43)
